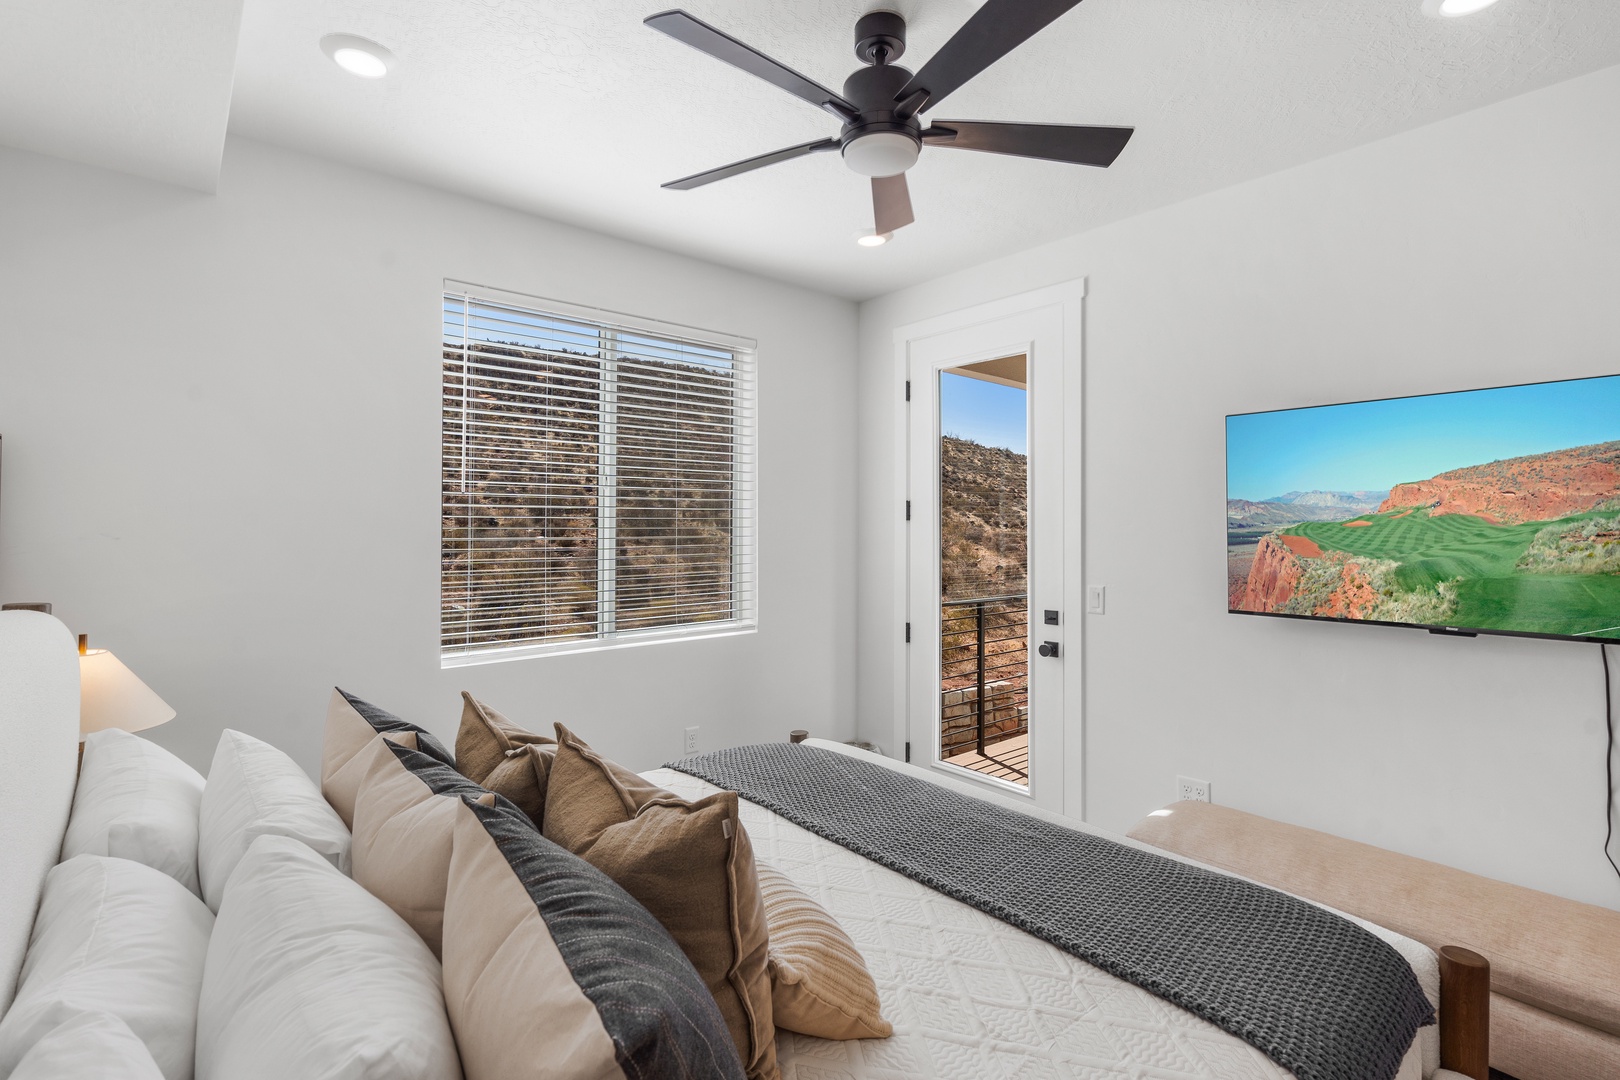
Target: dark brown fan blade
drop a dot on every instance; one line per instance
(891, 203)
(1097, 146)
(722, 46)
(995, 30)
(687, 183)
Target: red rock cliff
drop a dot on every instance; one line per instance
(1353, 599)
(1536, 488)
(1271, 579)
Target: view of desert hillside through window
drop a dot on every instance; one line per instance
(585, 491)
(983, 492)
(984, 576)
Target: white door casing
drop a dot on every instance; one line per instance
(1046, 327)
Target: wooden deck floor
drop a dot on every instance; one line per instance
(1006, 760)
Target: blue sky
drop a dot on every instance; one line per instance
(1377, 444)
(988, 413)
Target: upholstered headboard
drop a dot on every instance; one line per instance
(39, 727)
(1555, 1001)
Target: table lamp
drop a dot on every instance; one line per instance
(111, 696)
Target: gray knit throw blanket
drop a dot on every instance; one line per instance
(1318, 994)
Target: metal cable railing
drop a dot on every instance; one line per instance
(984, 668)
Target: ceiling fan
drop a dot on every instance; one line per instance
(881, 104)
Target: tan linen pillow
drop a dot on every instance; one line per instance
(690, 864)
(351, 724)
(400, 849)
(553, 971)
(341, 787)
(819, 983)
(521, 776)
(486, 739)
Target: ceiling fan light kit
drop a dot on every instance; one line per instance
(882, 133)
(882, 153)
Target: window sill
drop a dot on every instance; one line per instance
(612, 644)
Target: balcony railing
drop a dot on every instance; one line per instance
(984, 684)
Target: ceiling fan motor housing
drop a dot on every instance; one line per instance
(879, 143)
(877, 31)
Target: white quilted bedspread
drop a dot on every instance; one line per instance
(972, 998)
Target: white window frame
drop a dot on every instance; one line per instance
(745, 555)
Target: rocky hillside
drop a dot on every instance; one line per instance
(984, 493)
(1540, 487)
(1292, 575)
(521, 452)
(1272, 578)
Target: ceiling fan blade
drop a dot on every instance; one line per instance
(722, 46)
(995, 30)
(891, 203)
(1097, 146)
(736, 168)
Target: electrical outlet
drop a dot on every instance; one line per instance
(1096, 599)
(1190, 790)
(690, 745)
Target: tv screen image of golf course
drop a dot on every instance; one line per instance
(1484, 510)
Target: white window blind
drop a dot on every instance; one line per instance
(598, 479)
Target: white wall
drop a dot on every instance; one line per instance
(1480, 251)
(221, 425)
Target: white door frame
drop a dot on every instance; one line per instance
(1070, 297)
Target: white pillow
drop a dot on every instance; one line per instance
(256, 790)
(93, 1044)
(137, 801)
(310, 976)
(112, 936)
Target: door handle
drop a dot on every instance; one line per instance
(1048, 648)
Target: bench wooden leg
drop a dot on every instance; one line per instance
(1465, 1012)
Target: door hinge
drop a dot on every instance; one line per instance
(908, 389)
(908, 751)
(908, 633)
(908, 509)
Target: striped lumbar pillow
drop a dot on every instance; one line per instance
(819, 983)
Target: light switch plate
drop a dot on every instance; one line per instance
(1096, 599)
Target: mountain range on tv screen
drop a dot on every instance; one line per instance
(1299, 506)
(1349, 500)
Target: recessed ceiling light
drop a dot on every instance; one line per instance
(874, 239)
(357, 55)
(1451, 9)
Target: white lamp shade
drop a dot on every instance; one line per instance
(110, 696)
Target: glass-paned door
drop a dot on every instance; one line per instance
(984, 567)
(984, 682)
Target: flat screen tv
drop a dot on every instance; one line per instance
(1482, 511)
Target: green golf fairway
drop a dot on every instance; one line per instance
(1491, 594)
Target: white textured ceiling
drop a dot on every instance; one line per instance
(573, 110)
(142, 87)
(576, 111)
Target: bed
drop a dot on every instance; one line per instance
(970, 996)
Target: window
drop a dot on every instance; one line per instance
(598, 479)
